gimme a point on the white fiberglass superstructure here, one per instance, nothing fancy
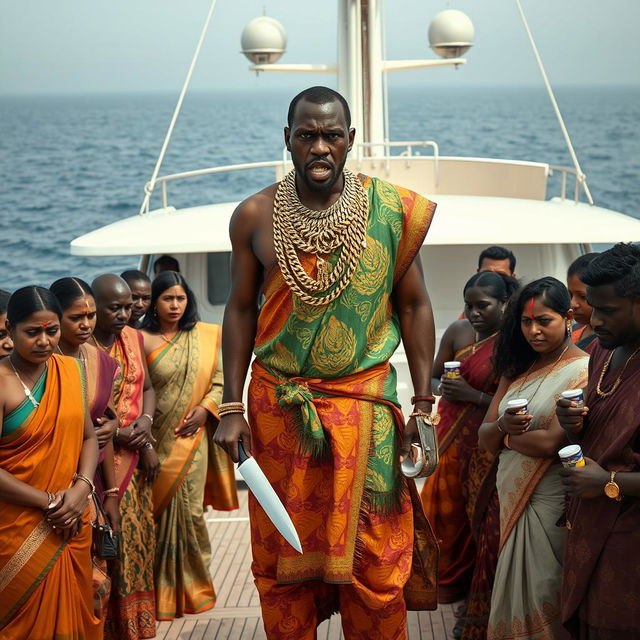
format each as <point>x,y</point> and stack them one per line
<point>481,201</point>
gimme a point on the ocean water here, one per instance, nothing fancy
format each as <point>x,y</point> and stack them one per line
<point>71,164</point>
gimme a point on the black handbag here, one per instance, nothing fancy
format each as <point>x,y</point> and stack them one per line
<point>105,541</point>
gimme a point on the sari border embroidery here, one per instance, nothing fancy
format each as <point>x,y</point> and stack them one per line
<point>19,559</point>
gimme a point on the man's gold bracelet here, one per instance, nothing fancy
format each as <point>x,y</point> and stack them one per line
<point>227,408</point>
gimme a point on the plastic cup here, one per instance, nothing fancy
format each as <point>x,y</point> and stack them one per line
<point>574,395</point>
<point>571,456</point>
<point>520,404</point>
<point>452,369</point>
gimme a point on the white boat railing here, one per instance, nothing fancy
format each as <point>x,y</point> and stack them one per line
<point>579,183</point>
<point>408,152</point>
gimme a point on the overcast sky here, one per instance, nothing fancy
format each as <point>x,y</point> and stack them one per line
<point>88,46</point>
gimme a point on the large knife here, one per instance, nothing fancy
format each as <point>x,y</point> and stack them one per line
<point>266,496</point>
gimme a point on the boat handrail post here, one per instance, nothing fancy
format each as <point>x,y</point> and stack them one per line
<point>164,194</point>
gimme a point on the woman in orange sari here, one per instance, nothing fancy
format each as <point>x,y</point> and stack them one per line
<point>182,356</point>
<point>450,494</point>
<point>78,322</point>
<point>48,455</point>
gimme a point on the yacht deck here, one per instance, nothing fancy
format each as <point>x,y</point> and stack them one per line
<point>236,615</point>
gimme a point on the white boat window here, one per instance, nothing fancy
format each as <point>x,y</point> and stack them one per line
<point>218,277</point>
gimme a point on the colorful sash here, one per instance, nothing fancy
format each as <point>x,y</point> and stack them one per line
<point>34,562</point>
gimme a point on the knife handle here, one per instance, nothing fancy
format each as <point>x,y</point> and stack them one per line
<point>242,454</point>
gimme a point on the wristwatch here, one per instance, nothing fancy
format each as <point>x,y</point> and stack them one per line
<point>612,489</point>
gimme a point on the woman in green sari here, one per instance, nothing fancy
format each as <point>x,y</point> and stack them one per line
<point>182,356</point>
<point>537,361</point>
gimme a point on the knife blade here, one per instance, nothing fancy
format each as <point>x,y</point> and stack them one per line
<point>267,497</point>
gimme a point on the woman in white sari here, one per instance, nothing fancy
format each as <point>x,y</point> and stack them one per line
<point>537,361</point>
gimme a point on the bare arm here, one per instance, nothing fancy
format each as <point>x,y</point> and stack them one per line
<point>489,435</point>
<point>446,352</point>
<point>142,426</point>
<point>418,335</point>
<point>239,326</point>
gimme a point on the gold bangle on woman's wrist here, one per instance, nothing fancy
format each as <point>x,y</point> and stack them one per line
<point>80,476</point>
<point>227,408</point>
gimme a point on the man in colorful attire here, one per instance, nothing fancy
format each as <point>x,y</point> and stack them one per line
<point>601,583</point>
<point>326,427</point>
<point>131,614</point>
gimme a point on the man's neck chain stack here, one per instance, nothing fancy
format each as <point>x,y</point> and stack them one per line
<point>296,228</point>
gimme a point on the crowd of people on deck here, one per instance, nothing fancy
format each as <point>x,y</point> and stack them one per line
<point>121,377</point>
<point>109,395</point>
<point>525,543</point>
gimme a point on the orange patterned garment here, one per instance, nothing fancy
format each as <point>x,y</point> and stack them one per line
<point>449,495</point>
<point>325,424</point>
<point>45,584</point>
<point>131,611</point>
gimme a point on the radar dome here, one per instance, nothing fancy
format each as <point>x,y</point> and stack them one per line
<point>451,33</point>
<point>263,40</point>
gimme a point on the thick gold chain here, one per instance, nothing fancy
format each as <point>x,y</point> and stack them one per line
<point>342,227</point>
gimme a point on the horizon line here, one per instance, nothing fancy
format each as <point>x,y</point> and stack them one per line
<point>272,89</point>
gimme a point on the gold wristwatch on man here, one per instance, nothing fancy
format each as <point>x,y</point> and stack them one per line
<point>612,488</point>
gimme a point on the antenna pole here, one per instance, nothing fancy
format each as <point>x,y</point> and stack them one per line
<point>582,179</point>
<point>152,183</point>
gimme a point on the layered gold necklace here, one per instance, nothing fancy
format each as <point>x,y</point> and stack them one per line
<point>341,227</point>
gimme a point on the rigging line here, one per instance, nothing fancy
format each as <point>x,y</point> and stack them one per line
<point>149,187</point>
<point>574,158</point>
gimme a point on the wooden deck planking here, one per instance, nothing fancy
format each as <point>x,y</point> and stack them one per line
<point>237,615</point>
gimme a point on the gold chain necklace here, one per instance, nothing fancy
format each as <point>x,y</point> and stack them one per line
<point>27,391</point>
<point>296,228</point>
<point>101,346</point>
<point>543,378</point>
<point>478,343</point>
<point>171,341</point>
<point>81,354</point>
<point>616,384</point>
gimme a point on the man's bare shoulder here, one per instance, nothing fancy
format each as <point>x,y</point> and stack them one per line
<point>255,209</point>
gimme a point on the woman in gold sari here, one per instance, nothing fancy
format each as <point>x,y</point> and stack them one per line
<point>537,361</point>
<point>182,356</point>
<point>48,455</point>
